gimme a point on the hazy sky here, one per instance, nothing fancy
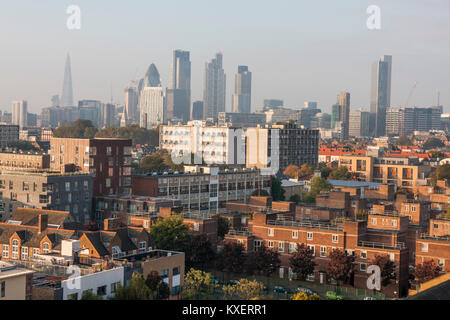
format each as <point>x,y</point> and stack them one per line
<point>297,50</point>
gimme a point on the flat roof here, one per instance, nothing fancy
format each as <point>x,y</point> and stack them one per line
<point>353,184</point>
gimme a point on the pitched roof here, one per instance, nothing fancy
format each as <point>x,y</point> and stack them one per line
<point>96,241</point>
<point>439,292</point>
<point>30,217</point>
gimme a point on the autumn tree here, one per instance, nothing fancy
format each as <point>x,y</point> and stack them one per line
<point>244,289</point>
<point>340,173</point>
<point>198,285</point>
<point>432,143</point>
<point>305,170</point>
<point>292,171</point>
<point>387,268</point>
<point>199,252</point>
<point>426,271</point>
<point>340,266</point>
<point>263,261</point>
<point>170,234</point>
<point>441,173</point>
<point>302,262</point>
<point>304,296</point>
<point>232,257</point>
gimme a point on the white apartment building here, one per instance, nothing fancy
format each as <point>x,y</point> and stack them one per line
<point>214,144</point>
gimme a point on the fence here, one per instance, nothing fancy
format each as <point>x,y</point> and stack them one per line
<point>347,292</point>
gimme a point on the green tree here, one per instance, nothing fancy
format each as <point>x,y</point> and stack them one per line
<point>302,262</point>
<point>277,191</point>
<point>264,261</point>
<point>260,193</point>
<point>79,129</point>
<point>223,226</point>
<point>137,290</point>
<point>340,266</point>
<point>198,285</point>
<point>171,234</point>
<point>403,141</point>
<point>295,198</point>
<point>244,289</point>
<point>200,253</point>
<point>318,184</point>
<point>158,288</point>
<point>232,257</point>
<point>137,134</point>
<point>433,143</point>
<point>447,215</point>
<point>159,161</point>
<point>304,296</point>
<point>340,173</point>
<point>22,145</point>
<point>89,295</point>
<point>387,268</point>
<point>441,173</point>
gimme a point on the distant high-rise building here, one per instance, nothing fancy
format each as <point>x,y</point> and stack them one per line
<point>67,94</point>
<point>310,105</point>
<point>197,110</point>
<point>55,100</point>
<point>109,111</point>
<point>401,121</point>
<point>344,102</point>
<point>180,81</point>
<point>242,91</point>
<point>131,103</point>
<point>321,120</point>
<point>152,77</point>
<point>214,88</point>
<point>381,93</point>
<point>20,113</point>
<point>176,105</point>
<point>359,124</point>
<point>272,104</point>
<point>91,110</point>
<point>31,119</point>
<point>152,105</point>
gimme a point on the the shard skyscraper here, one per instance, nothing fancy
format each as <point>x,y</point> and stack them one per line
<point>67,94</point>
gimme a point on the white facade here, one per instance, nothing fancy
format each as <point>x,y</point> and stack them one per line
<point>19,113</point>
<point>105,280</point>
<point>152,105</point>
<point>216,145</point>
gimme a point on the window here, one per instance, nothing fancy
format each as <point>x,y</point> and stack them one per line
<point>394,223</point>
<point>115,252</point>
<point>374,221</point>
<point>311,277</point>
<point>313,249</point>
<point>45,247</point>
<point>175,271</point>
<point>363,254</point>
<point>257,244</point>
<point>391,256</point>
<point>24,253</point>
<point>196,226</point>
<point>280,246</point>
<point>424,247</point>
<point>35,252</point>
<point>67,186</point>
<point>295,234</point>
<point>335,238</point>
<point>164,273</point>
<point>323,251</point>
<point>3,289</point>
<point>175,290</point>
<point>309,235</point>
<point>142,246</point>
<point>441,262</point>
<point>15,249</point>
<point>292,247</point>
<point>363,267</point>
<point>270,244</point>
<point>101,291</point>
<point>270,232</point>
<point>406,208</point>
<point>413,208</point>
<point>5,253</point>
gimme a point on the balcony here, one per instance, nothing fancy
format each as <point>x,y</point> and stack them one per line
<point>380,245</point>
<point>302,224</point>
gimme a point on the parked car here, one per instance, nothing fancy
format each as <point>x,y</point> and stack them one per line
<point>232,282</point>
<point>280,289</point>
<point>216,281</point>
<point>369,298</point>
<point>305,290</point>
<point>331,295</point>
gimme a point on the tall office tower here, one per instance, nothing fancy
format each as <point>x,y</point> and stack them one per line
<point>242,91</point>
<point>359,124</point>
<point>176,105</point>
<point>344,102</point>
<point>381,93</point>
<point>310,105</point>
<point>335,115</point>
<point>152,105</point>
<point>272,104</point>
<point>152,77</point>
<point>401,121</point>
<point>214,88</point>
<point>55,100</point>
<point>131,102</point>
<point>67,94</point>
<point>20,113</point>
<point>91,110</point>
<point>109,111</point>
<point>197,110</point>
<point>181,81</point>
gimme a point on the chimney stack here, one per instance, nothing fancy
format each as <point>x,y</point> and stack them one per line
<point>43,222</point>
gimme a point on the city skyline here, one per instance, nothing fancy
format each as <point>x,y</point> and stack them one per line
<point>302,68</point>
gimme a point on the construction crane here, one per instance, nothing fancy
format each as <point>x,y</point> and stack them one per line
<point>411,93</point>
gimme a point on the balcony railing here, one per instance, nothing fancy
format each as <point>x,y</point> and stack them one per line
<point>302,224</point>
<point>379,245</point>
<point>438,238</point>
